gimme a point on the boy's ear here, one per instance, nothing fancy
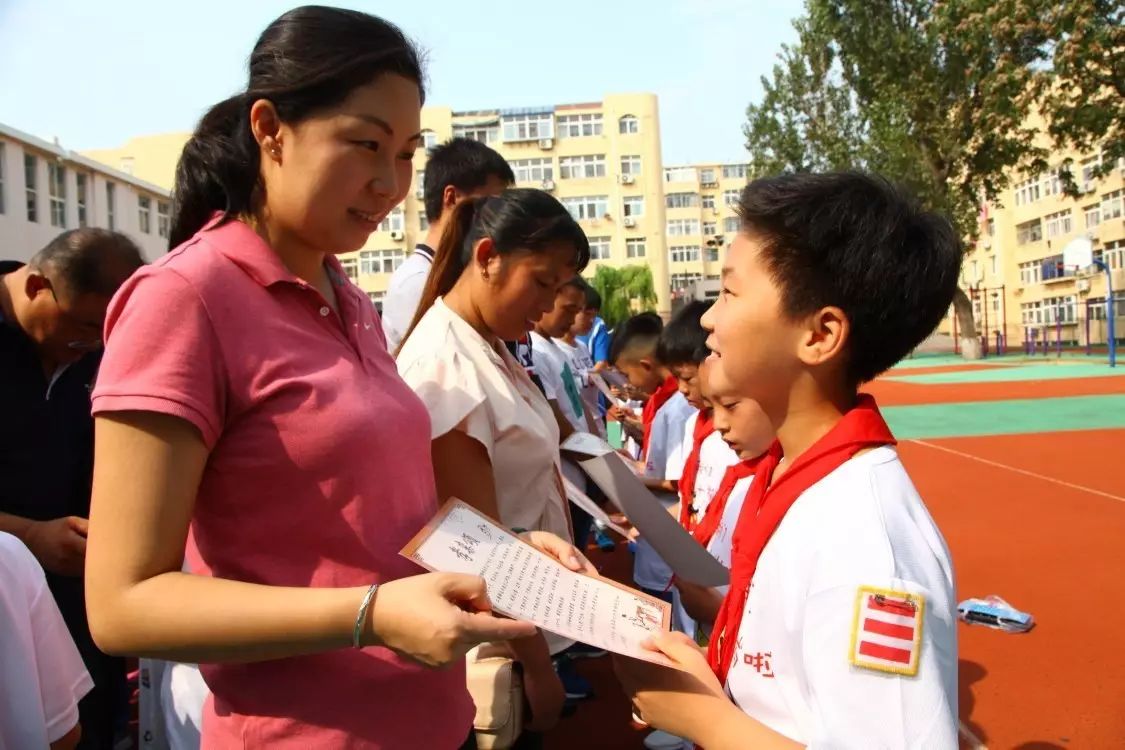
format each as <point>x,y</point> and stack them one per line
<point>648,363</point>
<point>825,336</point>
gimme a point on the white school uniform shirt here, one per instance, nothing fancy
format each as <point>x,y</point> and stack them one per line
<point>553,368</point>
<point>42,677</point>
<point>582,364</point>
<point>664,461</point>
<point>864,525</point>
<point>404,292</point>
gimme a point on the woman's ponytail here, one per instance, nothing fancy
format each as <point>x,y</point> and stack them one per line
<point>217,171</point>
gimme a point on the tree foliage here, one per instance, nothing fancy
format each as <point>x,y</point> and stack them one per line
<point>625,291</point>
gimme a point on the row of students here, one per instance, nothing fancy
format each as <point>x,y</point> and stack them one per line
<point>838,628</point>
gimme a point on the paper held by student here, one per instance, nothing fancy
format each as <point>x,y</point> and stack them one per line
<point>579,498</point>
<point>584,445</point>
<point>528,585</point>
<point>599,383</point>
<point>687,558</point>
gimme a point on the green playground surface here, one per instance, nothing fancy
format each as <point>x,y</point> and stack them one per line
<point>1001,370</point>
<point>1018,416</point>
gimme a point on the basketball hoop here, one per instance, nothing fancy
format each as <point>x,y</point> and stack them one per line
<point>1079,255</point>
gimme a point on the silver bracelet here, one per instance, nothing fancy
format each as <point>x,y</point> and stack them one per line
<point>362,616</point>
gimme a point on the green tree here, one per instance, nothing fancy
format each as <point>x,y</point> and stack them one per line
<point>625,291</point>
<point>937,94</point>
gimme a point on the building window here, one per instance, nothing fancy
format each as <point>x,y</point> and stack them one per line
<point>377,300</point>
<point>683,253</point>
<point>81,188</point>
<point>56,192</point>
<point>528,127</point>
<point>579,167</point>
<point>587,208</point>
<point>683,227</point>
<point>710,229</point>
<point>708,203</point>
<point>395,221</point>
<point>533,171</point>
<point>599,248</point>
<point>163,219</point>
<point>1029,231</point>
<point>992,264</point>
<point>732,225</point>
<point>420,184</point>
<point>681,200</point>
<point>1058,223</point>
<point>730,197</point>
<point>111,206</point>
<point>144,214</point>
<point>1112,205</point>
<point>631,165</point>
<point>707,176</point>
<point>1089,164</point>
<point>580,126</point>
<point>429,139</point>
<point>1030,272</point>
<point>681,174</point>
<point>351,267</point>
<point>1052,184</point>
<point>681,281</point>
<point>423,222</point>
<point>3,209</point>
<point>478,133</point>
<point>734,171</point>
<point>31,181</point>
<point>1114,255</point>
<point>991,227</point>
<point>711,253</point>
<point>380,261</point>
<point>1093,215</point>
<point>628,125</point>
<point>633,206</point>
<point>634,247</point>
<point>1027,191</point>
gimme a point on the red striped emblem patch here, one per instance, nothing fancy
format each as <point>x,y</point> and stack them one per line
<point>887,631</point>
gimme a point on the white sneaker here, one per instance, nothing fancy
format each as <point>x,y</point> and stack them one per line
<point>661,740</point>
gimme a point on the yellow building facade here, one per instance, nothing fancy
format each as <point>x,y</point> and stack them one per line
<point>1015,275</point>
<point>601,159</point>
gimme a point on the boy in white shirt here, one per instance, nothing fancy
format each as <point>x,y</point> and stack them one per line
<point>42,677</point>
<point>847,637</point>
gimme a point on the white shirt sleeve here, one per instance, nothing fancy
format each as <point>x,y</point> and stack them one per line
<point>400,306</point>
<point>678,453</point>
<point>547,368</point>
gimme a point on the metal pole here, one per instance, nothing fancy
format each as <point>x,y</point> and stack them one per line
<point>984,303</point>
<point>1004,316</point>
<point>1109,312</point>
<point>1088,347</point>
<point>1058,334</point>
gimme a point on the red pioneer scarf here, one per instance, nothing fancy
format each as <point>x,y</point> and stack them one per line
<point>666,391</point>
<point>705,530</point>
<point>766,504</point>
<point>704,426</point>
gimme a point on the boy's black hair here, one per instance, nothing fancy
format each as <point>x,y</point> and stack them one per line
<point>637,337</point>
<point>684,340</point>
<point>577,282</point>
<point>857,242</point>
<point>593,299</point>
<point>466,165</point>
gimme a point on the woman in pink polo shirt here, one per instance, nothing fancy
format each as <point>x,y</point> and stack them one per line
<point>247,407</point>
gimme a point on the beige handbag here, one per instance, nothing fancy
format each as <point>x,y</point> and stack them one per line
<point>495,682</point>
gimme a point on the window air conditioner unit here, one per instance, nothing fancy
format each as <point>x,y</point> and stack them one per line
<point>548,185</point>
<point>628,179</point>
<point>629,221</point>
<point>397,236</point>
<point>420,193</point>
<point>546,143</point>
<point>1083,285</point>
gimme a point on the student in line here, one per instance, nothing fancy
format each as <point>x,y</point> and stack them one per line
<point>247,396</point>
<point>596,338</point>
<point>457,169</point>
<point>847,636</point>
<point>498,268</point>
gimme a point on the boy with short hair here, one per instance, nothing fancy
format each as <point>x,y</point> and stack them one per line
<point>847,636</point>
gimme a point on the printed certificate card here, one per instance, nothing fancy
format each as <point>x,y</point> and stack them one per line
<point>526,584</point>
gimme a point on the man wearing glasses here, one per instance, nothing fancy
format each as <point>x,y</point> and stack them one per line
<point>51,316</point>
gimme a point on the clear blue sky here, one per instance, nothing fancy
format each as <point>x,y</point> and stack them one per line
<point>95,72</point>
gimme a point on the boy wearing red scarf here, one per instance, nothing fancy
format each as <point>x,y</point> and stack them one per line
<point>839,627</point>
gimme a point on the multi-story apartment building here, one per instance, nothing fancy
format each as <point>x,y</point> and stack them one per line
<point>1015,274</point>
<point>46,189</point>
<point>602,160</point>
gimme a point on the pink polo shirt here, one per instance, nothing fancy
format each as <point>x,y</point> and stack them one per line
<point>319,473</point>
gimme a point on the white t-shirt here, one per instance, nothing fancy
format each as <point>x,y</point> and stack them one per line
<point>553,368</point>
<point>404,292</point>
<point>582,364</point>
<point>664,461</point>
<point>42,677</point>
<point>794,669</point>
